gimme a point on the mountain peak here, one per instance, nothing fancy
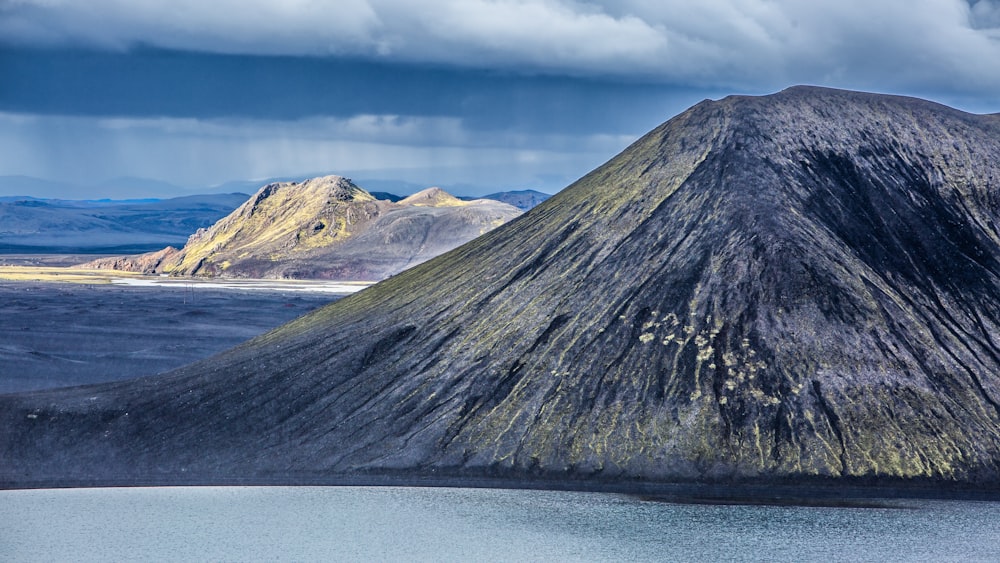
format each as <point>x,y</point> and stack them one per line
<point>332,188</point>
<point>326,228</point>
<point>433,197</point>
<point>773,290</point>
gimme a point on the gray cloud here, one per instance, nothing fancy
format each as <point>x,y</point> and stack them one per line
<point>985,14</point>
<point>204,152</point>
<point>494,93</point>
<point>731,43</point>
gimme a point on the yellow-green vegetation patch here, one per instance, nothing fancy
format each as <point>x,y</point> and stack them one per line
<point>56,274</point>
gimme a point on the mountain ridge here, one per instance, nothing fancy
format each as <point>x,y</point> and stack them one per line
<point>771,290</point>
<point>327,228</point>
<point>521,199</point>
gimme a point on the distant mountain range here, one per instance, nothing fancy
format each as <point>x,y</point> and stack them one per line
<point>30,224</point>
<point>324,228</point>
<point>521,199</point>
<point>39,219</point>
<point>390,190</point>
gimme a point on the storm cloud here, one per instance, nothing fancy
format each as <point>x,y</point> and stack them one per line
<point>201,153</point>
<point>491,94</point>
<point>713,43</point>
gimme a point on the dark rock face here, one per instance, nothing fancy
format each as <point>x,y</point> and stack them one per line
<point>765,289</point>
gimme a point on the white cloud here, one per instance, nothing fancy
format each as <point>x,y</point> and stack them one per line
<point>543,34</point>
<point>729,43</point>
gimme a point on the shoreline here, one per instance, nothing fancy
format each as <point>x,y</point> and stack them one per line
<point>816,494</point>
<point>321,286</point>
<point>61,274</point>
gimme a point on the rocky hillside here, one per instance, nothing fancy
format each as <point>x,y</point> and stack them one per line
<point>324,228</point>
<point>781,290</point>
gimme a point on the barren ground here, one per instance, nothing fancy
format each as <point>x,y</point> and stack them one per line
<point>60,334</point>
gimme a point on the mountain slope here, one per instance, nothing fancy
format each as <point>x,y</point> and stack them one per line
<point>521,199</point>
<point>432,197</point>
<point>324,228</point>
<point>768,290</point>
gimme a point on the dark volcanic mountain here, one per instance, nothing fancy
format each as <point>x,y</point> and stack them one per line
<point>770,289</point>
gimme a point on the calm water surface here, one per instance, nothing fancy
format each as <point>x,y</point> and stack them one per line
<point>438,524</point>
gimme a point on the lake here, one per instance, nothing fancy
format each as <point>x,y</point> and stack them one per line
<point>446,524</point>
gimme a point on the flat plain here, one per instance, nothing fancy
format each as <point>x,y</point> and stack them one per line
<point>55,334</point>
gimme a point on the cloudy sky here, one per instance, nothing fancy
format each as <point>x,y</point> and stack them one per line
<point>481,95</point>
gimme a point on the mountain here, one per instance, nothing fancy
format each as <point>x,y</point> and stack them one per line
<point>433,197</point>
<point>324,228</point>
<point>521,199</point>
<point>375,185</point>
<point>386,196</point>
<point>44,225</point>
<point>791,290</point>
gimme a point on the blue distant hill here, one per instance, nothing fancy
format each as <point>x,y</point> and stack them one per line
<point>37,225</point>
<point>522,199</point>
